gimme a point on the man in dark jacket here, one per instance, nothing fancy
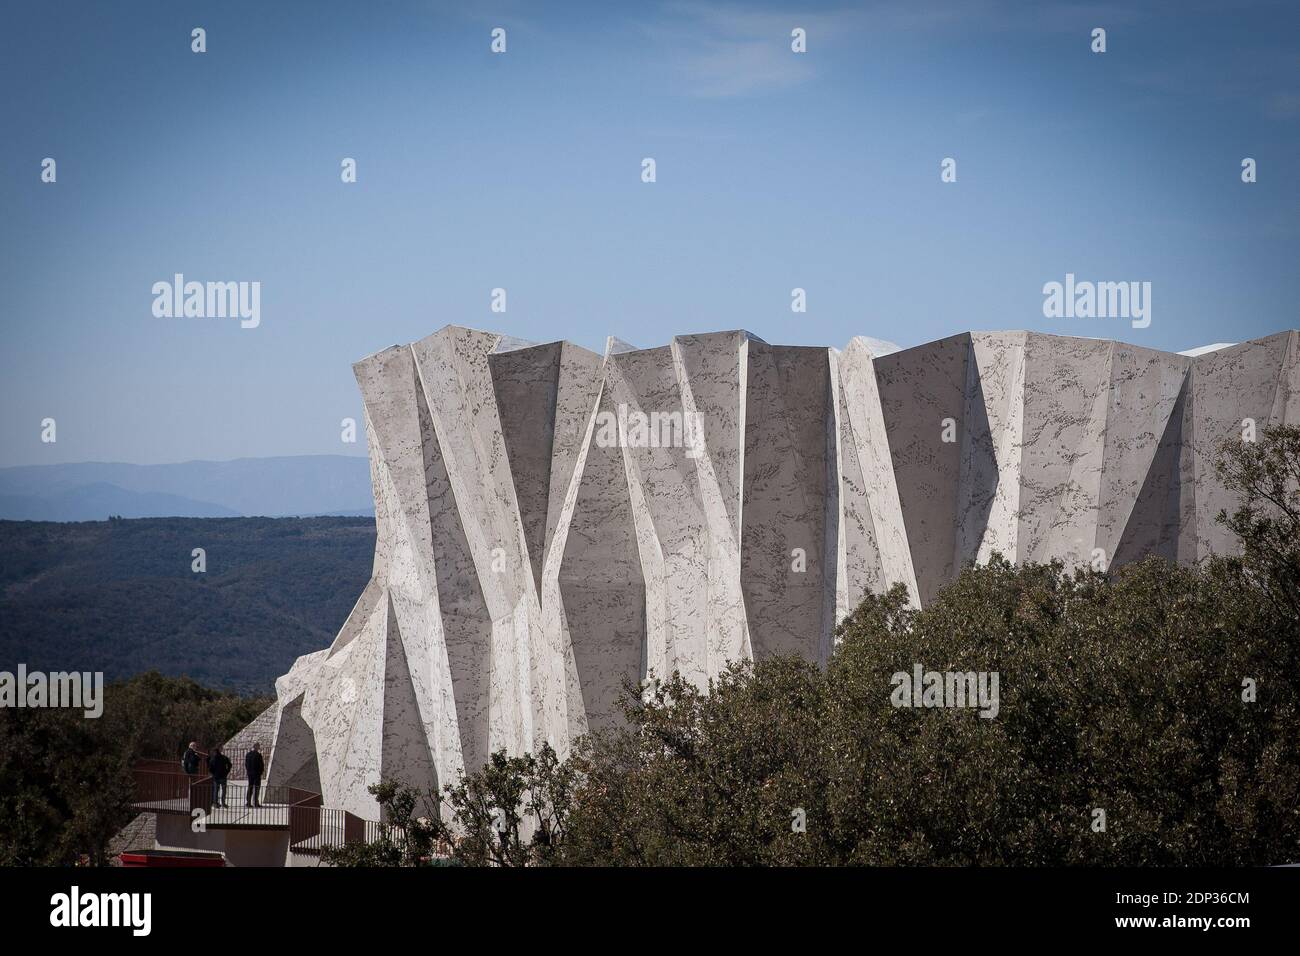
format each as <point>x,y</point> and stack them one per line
<point>190,762</point>
<point>253,767</point>
<point>219,768</point>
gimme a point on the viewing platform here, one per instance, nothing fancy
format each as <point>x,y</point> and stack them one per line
<point>289,827</point>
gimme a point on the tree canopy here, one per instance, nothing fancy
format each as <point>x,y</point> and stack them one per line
<point>1146,716</point>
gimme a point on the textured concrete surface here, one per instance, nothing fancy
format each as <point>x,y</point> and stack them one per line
<point>553,523</point>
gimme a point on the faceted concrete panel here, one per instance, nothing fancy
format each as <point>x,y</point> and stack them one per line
<point>1162,518</point>
<point>404,753</point>
<point>714,369</point>
<point>294,755</point>
<point>992,442</point>
<point>465,619</point>
<point>788,562</point>
<point>526,382</point>
<point>920,390</point>
<point>711,375</point>
<point>1065,402</point>
<point>389,386</point>
<point>1141,497</point>
<point>603,589</point>
<point>669,523</point>
<point>873,537</point>
<point>1231,389</point>
<point>577,388</point>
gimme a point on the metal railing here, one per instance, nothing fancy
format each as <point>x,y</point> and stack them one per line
<point>162,783</point>
<point>306,819</point>
<point>162,787</point>
<point>268,806</point>
<point>313,828</point>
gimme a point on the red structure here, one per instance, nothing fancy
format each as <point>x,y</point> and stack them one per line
<point>171,858</point>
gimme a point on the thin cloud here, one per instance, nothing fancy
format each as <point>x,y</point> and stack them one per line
<point>724,50</point>
<point>1283,105</point>
<point>727,50</point>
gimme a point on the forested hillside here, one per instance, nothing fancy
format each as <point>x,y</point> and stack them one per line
<point>121,597</point>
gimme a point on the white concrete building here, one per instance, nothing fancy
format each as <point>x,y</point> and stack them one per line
<point>538,543</point>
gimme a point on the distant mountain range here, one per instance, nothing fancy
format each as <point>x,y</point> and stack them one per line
<point>246,487</point>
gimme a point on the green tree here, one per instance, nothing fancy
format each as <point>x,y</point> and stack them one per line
<point>1266,475</point>
<point>511,812</point>
<point>407,838</point>
<point>1166,697</point>
<point>65,779</point>
<point>717,778</point>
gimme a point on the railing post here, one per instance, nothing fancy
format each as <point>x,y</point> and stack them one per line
<point>304,816</point>
<point>200,795</point>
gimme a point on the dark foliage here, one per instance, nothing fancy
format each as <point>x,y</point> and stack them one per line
<point>65,781</point>
<point>512,812</point>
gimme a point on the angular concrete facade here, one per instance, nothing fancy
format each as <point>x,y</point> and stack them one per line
<point>553,523</point>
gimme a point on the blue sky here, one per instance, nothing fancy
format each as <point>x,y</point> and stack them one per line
<point>522,171</point>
